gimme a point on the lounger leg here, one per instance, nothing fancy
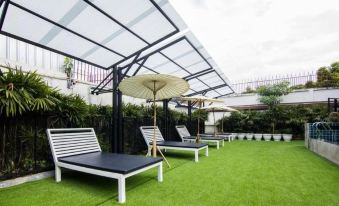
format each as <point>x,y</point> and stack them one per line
<point>196,154</point>
<point>223,143</point>
<point>57,174</point>
<point>160,177</point>
<point>206,152</point>
<point>217,144</point>
<point>121,190</point>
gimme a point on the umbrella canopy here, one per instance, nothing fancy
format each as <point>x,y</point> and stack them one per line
<point>200,99</point>
<point>162,85</point>
<point>218,108</point>
<point>154,86</point>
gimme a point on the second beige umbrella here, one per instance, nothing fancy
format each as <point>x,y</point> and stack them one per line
<point>154,87</point>
<point>200,99</point>
<point>218,108</point>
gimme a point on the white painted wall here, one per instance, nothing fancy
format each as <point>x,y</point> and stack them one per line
<point>297,97</point>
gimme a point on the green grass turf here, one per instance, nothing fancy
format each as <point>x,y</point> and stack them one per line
<point>241,173</point>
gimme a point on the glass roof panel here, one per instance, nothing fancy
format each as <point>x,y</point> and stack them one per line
<point>16,23</point>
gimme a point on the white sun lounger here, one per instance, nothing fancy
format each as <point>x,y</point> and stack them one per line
<point>78,149</point>
<point>147,133</point>
<point>186,136</point>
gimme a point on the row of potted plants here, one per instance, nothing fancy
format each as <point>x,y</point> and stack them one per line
<point>266,137</point>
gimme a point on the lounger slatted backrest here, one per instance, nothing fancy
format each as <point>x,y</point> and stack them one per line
<point>68,142</point>
<point>182,130</point>
<point>148,131</point>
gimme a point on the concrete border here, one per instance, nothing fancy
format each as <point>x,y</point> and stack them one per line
<point>28,178</point>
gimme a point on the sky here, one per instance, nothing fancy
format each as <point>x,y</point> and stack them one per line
<point>260,38</point>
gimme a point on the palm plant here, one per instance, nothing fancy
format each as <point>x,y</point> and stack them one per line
<point>24,92</point>
<point>21,92</point>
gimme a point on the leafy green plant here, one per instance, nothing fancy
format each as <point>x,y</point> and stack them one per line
<point>334,117</point>
<point>271,95</point>
<point>24,92</point>
<point>68,66</point>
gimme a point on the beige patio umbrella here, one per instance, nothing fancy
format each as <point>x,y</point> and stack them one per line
<point>218,108</point>
<point>200,99</point>
<point>154,87</point>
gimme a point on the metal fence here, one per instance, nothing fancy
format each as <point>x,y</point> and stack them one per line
<point>325,131</point>
<point>293,79</point>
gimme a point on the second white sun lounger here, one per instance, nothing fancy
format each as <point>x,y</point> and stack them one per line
<point>186,136</point>
<point>147,133</point>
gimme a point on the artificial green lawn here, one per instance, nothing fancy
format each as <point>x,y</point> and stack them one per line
<point>241,173</point>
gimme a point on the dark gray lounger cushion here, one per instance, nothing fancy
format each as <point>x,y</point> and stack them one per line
<point>111,162</point>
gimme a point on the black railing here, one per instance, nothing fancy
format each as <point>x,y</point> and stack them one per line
<point>293,79</point>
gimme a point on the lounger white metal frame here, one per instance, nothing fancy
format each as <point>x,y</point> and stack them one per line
<point>82,141</point>
<point>183,132</point>
<point>147,133</point>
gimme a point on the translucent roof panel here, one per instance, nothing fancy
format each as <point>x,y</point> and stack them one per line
<point>123,33</point>
<point>185,59</point>
<point>120,27</point>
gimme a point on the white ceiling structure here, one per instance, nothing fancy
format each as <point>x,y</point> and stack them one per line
<point>130,35</point>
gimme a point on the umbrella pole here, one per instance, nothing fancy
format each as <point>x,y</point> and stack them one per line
<point>215,133</point>
<point>198,134</point>
<point>222,123</point>
<point>154,149</point>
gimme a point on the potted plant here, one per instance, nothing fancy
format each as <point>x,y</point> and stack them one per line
<point>258,137</point>
<point>241,136</point>
<point>277,137</point>
<point>287,135</point>
<point>267,137</point>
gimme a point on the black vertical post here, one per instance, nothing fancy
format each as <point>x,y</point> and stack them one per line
<point>114,136</point>
<point>189,108</point>
<point>165,123</point>
<point>35,140</point>
<point>120,118</point>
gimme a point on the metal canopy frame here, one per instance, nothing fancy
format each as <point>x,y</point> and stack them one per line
<point>124,58</point>
<point>121,68</point>
<point>140,61</point>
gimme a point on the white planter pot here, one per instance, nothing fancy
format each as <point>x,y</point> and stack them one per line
<point>258,137</point>
<point>287,137</point>
<point>249,136</point>
<point>241,136</point>
<point>277,137</point>
<point>267,137</point>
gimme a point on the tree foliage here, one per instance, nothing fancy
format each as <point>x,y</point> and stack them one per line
<point>270,95</point>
